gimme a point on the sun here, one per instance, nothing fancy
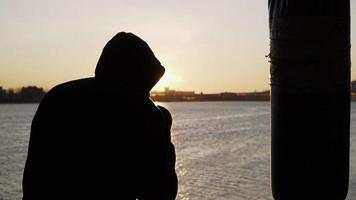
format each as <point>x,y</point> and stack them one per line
<point>168,80</point>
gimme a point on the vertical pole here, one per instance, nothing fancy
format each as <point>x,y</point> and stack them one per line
<point>310,98</point>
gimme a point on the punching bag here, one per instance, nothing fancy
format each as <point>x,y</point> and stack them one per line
<point>310,98</point>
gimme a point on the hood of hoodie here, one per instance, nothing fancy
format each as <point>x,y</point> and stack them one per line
<point>128,61</point>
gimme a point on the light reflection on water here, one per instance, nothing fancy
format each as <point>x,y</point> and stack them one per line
<point>223,149</point>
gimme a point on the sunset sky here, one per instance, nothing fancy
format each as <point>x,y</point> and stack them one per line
<point>209,46</point>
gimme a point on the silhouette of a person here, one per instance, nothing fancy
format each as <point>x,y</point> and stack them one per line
<point>103,137</point>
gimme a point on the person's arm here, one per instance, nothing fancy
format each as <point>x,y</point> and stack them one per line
<point>160,178</point>
<point>172,180</point>
<point>34,182</point>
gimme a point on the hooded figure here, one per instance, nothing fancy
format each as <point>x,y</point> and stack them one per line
<point>103,137</point>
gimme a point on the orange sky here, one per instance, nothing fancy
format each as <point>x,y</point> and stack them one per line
<point>209,46</point>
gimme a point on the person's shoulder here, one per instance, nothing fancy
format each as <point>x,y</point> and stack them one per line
<point>165,112</point>
<point>166,115</point>
<point>159,110</point>
<point>67,89</point>
<point>71,85</point>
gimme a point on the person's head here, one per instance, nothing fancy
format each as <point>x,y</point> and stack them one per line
<point>128,60</point>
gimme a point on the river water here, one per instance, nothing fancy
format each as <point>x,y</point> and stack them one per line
<point>223,149</point>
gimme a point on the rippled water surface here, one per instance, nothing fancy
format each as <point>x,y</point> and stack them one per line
<point>223,149</point>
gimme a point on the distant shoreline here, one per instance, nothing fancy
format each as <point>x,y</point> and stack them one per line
<point>161,101</point>
<point>33,94</point>
<point>14,103</point>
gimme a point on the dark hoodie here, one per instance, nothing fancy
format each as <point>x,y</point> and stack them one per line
<point>103,137</point>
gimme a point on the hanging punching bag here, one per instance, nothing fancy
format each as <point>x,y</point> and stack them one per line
<point>310,98</point>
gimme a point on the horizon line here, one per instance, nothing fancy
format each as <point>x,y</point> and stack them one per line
<point>18,88</point>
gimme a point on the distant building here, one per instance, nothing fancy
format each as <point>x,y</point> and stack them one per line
<point>11,96</point>
<point>31,94</point>
<point>173,95</point>
<point>2,95</point>
<point>167,91</point>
